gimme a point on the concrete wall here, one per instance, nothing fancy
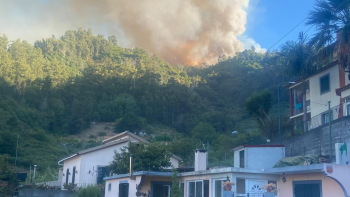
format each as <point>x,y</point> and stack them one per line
<point>330,188</point>
<point>174,162</point>
<point>317,98</point>
<point>27,192</point>
<point>316,141</point>
<point>262,157</point>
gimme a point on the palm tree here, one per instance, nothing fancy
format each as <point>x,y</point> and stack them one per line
<point>332,21</point>
<point>299,59</point>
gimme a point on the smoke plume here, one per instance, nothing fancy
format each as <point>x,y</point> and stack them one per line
<point>179,31</point>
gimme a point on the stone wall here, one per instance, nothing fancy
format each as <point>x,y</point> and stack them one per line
<point>316,141</point>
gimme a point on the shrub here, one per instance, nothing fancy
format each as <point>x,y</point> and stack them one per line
<point>92,136</point>
<point>90,191</point>
<point>102,133</point>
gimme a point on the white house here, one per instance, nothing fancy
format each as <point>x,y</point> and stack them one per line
<point>329,83</point>
<point>318,180</point>
<point>88,166</point>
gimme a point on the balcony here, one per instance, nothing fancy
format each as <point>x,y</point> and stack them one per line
<point>297,99</point>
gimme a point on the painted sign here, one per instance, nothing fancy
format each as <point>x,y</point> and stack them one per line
<point>329,169</point>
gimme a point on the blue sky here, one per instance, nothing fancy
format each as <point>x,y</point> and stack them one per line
<point>269,20</point>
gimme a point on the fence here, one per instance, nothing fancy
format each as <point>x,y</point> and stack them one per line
<point>59,185</point>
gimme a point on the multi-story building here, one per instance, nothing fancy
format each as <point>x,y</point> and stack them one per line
<point>329,83</point>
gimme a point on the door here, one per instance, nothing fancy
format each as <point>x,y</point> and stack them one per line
<point>307,190</point>
<point>161,189</point>
<point>254,187</point>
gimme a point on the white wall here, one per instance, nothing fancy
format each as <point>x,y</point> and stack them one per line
<point>315,96</point>
<point>115,186</point>
<point>262,157</point>
<point>69,164</point>
<point>174,162</point>
<point>92,160</point>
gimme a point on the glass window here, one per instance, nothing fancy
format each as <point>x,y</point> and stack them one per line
<point>348,108</point>
<point>325,117</point>
<point>218,188</point>
<point>182,187</point>
<point>109,187</point>
<point>198,188</point>
<point>324,84</point>
<point>241,159</point>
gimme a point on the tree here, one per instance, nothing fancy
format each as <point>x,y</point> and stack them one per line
<point>7,177</point>
<point>204,131</point>
<point>299,59</point>
<point>175,186</point>
<point>153,157</point>
<point>332,21</point>
<point>259,106</point>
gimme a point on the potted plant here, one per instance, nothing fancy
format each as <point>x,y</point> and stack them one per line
<point>271,188</point>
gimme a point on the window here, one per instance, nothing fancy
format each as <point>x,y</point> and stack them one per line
<point>101,172</point>
<point>218,188</point>
<point>198,188</point>
<point>73,177</point>
<point>123,190</point>
<point>324,84</point>
<point>109,187</point>
<point>241,159</point>
<point>347,108</point>
<point>67,175</point>
<point>307,188</point>
<point>182,188</point>
<point>325,117</point>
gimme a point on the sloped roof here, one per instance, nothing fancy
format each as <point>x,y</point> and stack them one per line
<point>125,133</point>
<point>112,141</point>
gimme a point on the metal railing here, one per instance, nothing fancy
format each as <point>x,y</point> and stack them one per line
<point>322,118</point>
<point>59,185</point>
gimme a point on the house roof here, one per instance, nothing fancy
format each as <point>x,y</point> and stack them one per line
<point>114,142</point>
<point>125,133</point>
<point>256,146</point>
<point>339,90</point>
<point>318,71</point>
<point>140,173</point>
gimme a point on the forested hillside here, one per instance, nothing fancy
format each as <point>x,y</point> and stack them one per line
<point>59,86</point>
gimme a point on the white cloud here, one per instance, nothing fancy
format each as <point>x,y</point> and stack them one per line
<point>249,42</point>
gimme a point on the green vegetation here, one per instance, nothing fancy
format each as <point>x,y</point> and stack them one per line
<point>54,90</point>
<point>153,157</point>
<point>90,191</point>
<point>175,185</point>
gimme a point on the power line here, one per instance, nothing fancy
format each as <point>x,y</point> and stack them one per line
<point>290,31</point>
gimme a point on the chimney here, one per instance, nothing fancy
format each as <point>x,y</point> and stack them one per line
<point>200,159</point>
<point>132,177</point>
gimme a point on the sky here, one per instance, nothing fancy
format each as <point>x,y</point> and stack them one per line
<point>179,31</point>
<point>269,20</point>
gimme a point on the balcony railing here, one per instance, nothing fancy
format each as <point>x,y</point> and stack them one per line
<point>323,118</point>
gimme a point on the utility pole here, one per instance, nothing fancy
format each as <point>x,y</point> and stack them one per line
<point>330,130</point>
<point>16,150</point>
<point>279,116</point>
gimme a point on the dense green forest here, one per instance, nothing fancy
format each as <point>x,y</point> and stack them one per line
<point>58,87</point>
